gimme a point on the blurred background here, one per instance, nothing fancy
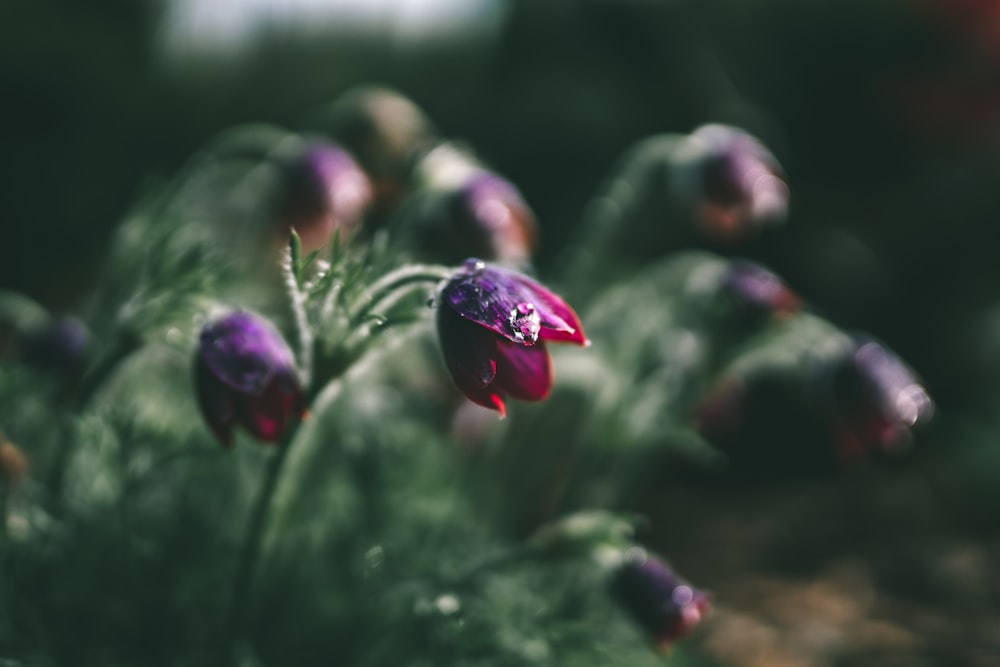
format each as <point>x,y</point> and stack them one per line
<point>885,115</point>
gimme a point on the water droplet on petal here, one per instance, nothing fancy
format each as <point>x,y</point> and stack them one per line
<point>474,264</point>
<point>525,322</point>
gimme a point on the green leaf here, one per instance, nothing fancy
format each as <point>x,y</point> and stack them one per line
<point>295,250</point>
<point>309,259</point>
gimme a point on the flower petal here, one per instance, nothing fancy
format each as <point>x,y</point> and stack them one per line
<point>267,415</point>
<point>490,297</point>
<point>470,352</point>
<point>510,304</point>
<point>488,399</point>
<point>524,372</point>
<point>244,351</point>
<point>559,322</point>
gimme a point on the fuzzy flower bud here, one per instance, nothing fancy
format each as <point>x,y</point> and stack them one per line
<point>757,292</point>
<point>245,374</point>
<point>324,189</point>
<point>493,324</point>
<point>484,216</point>
<point>878,400</point>
<point>666,606</point>
<point>385,130</point>
<point>736,183</point>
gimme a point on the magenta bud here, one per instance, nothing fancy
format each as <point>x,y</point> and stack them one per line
<point>736,182</point>
<point>245,374</point>
<point>324,190</point>
<point>493,324</point>
<point>757,291</point>
<point>663,604</point>
<point>488,218</point>
<point>878,399</point>
<point>385,130</point>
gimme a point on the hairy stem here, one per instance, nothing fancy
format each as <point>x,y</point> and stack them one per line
<point>388,284</point>
<point>246,567</point>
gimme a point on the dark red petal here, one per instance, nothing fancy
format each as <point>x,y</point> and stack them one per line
<point>267,416</point>
<point>215,401</point>
<point>470,351</point>
<point>488,399</point>
<point>524,372</point>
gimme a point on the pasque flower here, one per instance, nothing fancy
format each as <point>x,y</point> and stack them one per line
<point>665,605</point>
<point>482,215</point>
<point>839,401</point>
<point>756,292</point>
<point>245,374</point>
<point>493,324</point>
<point>878,400</point>
<point>488,215</point>
<point>735,180</point>
<point>324,190</point>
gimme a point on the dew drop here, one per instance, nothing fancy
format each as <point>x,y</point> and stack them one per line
<point>474,265</point>
<point>525,322</point>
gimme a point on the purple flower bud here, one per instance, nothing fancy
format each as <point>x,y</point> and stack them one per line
<point>493,324</point>
<point>324,190</point>
<point>835,402</point>
<point>58,346</point>
<point>736,181</point>
<point>489,218</point>
<point>385,130</point>
<point>878,400</point>
<point>665,605</point>
<point>245,373</point>
<point>758,291</point>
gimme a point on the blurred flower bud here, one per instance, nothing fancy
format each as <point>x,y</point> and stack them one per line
<point>492,325</point>
<point>756,292</point>
<point>812,399</point>
<point>13,466</point>
<point>666,606</point>
<point>878,400</point>
<point>323,189</point>
<point>485,216</point>
<point>245,374</point>
<point>734,182</point>
<point>57,346</point>
<point>384,130</point>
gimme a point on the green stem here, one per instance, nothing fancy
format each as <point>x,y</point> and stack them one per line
<point>302,327</point>
<point>246,567</point>
<point>253,537</point>
<point>388,284</point>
